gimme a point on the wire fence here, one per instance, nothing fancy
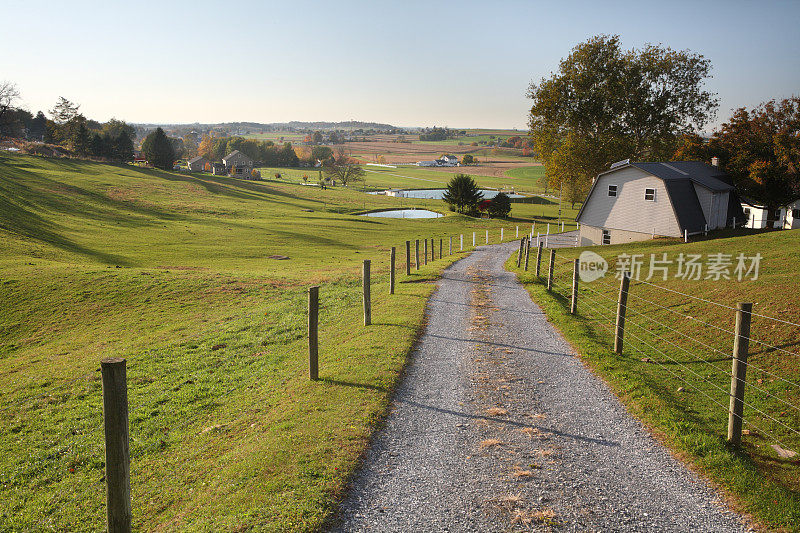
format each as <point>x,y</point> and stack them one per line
<point>54,427</point>
<point>692,340</point>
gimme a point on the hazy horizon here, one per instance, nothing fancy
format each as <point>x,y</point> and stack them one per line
<point>462,65</point>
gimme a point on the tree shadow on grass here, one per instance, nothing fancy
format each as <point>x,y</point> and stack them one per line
<point>352,384</point>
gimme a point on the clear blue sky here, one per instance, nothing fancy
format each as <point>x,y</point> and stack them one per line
<point>410,63</point>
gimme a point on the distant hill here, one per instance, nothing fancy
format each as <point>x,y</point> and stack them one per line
<point>243,128</point>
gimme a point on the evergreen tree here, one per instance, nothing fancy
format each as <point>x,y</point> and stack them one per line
<point>462,194</point>
<point>157,149</point>
<point>500,206</point>
<point>122,147</point>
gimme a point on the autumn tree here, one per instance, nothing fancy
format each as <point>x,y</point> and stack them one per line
<point>605,104</point>
<point>760,149</point>
<point>206,148</point>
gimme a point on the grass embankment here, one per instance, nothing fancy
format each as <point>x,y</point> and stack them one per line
<point>674,373</point>
<point>172,272</point>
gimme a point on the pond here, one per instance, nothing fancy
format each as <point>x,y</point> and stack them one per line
<point>405,213</point>
<point>437,194</point>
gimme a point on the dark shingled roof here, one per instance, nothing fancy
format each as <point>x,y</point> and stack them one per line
<point>196,159</point>
<point>708,176</point>
<point>686,205</point>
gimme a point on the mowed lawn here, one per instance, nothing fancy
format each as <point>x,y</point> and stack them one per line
<point>173,272</point>
<point>675,371</point>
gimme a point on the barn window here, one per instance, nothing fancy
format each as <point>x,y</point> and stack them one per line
<point>795,213</point>
<point>606,237</point>
<point>650,195</point>
<point>612,191</point>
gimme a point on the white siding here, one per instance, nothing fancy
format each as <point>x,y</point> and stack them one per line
<point>629,211</point>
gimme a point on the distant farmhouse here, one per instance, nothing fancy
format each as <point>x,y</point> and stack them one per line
<point>785,217</point>
<point>197,164</point>
<point>640,201</point>
<point>444,161</point>
<point>238,165</point>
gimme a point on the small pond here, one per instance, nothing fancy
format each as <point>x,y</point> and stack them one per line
<point>405,213</point>
<point>436,194</point>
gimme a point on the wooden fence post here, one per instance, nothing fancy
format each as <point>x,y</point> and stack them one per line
<point>450,246</point>
<point>367,301</point>
<point>416,253</point>
<point>473,239</point>
<point>573,308</point>
<point>538,258</point>
<point>501,235</point>
<point>118,467</point>
<point>517,234</point>
<point>391,271</point>
<point>425,254</point>
<point>433,250</point>
<point>741,345</point>
<point>487,236</point>
<point>527,251</point>
<point>551,268</point>
<point>313,329</point>
<point>461,243</point>
<point>622,306</point>
<point>408,258</point>
<point>441,242</point>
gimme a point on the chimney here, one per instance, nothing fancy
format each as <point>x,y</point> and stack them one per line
<point>715,161</point>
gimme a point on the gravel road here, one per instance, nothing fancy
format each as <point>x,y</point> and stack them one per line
<point>498,426</point>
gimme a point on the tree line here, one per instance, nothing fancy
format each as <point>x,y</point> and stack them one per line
<point>67,127</point>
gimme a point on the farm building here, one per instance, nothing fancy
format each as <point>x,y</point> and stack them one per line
<point>785,217</point>
<point>218,169</point>
<point>197,164</point>
<point>427,163</point>
<point>238,164</point>
<point>639,201</point>
<point>448,161</point>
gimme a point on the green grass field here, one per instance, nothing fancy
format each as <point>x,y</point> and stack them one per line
<point>674,373</point>
<point>172,272</point>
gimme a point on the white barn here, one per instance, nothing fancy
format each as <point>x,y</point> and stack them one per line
<point>785,217</point>
<point>639,201</point>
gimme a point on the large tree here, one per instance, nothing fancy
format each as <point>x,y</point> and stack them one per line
<point>9,94</point>
<point>462,194</point>
<point>605,104</point>
<point>760,149</point>
<point>158,150</point>
<point>343,168</point>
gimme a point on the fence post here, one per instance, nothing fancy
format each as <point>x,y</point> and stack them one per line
<point>622,305</point>
<point>487,236</point>
<point>118,467</point>
<point>425,254</point>
<point>461,243</point>
<point>391,271</point>
<point>473,239</point>
<point>367,301</point>
<point>551,268</point>
<point>538,258</point>
<point>686,235</point>
<point>573,308</point>
<point>527,251</point>
<point>501,235</point>
<point>433,250</point>
<point>517,234</point>
<point>416,253</point>
<point>440,247</point>
<point>519,252</point>
<point>408,258</point>
<point>313,328</point>
<point>450,246</point>
<point>741,344</point>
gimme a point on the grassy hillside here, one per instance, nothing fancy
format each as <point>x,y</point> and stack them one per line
<point>675,370</point>
<point>173,272</point>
